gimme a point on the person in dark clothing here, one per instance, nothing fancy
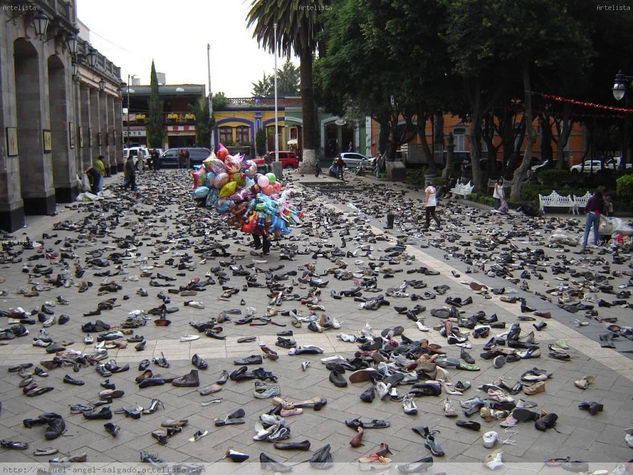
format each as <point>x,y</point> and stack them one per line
<point>155,160</point>
<point>593,209</point>
<point>129,171</point>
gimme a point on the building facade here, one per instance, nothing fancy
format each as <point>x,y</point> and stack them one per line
<point>60,103</point>
<point>177,100</point>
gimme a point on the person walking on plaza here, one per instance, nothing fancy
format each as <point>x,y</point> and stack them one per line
<point>129,171</point>
<point>497,194</point>
<point>430,202</point>
<point>186,159</point>
<point>593,209</point>
<point>155,160</point>
<point>181,158</point>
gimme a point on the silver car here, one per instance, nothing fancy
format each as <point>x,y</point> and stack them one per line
<point>355,160</point>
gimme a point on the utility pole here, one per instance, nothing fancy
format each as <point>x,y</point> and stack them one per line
<point>276,118</point>
<point>210,98</point>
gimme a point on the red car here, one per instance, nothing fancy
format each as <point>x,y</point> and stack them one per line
<point>287,158</point>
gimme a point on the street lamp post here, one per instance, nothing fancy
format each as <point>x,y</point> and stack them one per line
<point>129,79</point>
<point>210,99</point>
<point>620,92</point>
<point>276,116</point>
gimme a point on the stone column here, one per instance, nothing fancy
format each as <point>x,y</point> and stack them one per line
<point>103,129</point>
<point>112,150</point>
<point>118,133</point>
<point>83,139</point>
<point>95,123</point>
<point>31,90</point>
<point>57,99</point>
<point>11,205</point>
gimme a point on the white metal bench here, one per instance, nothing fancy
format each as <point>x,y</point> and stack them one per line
<point>462,189</point>
<point>580,202</point>
<point>554,200</point>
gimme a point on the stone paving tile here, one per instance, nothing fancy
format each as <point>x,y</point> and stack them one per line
<point>603,433</point>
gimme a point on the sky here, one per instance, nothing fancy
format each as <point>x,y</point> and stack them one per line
<point>175,33</point>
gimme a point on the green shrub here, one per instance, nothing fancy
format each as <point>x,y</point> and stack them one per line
<point>624,188</point>
<point>554,177</point>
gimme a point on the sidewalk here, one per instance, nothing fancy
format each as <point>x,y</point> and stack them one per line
<point>167,228</point>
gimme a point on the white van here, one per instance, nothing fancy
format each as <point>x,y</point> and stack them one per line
<point>139,153</point>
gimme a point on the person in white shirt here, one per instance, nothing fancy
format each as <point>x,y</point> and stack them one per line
<point>430,202</point>
<point>498,194</point>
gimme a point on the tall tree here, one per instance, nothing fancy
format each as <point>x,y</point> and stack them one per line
<point>386,58</point>
<point>263,87</point>
<point>287,82</point>
<point>298,27</point>
<point>155,123</point>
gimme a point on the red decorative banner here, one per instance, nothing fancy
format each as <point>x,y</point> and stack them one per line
<point>585,104</point>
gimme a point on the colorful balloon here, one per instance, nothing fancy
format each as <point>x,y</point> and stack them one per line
<point>222,152</point>
<point>228,189</point>
<point>272,178</point>
<point>220,180</point>
<point>263,182</point>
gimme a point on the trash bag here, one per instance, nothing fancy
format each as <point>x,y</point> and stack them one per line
<point>530,209</point>
<point>563,237</point>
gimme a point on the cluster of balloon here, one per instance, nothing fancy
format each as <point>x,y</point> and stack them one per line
<point>250,201</point>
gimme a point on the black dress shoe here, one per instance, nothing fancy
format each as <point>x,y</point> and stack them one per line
<point>103,413</point>
<point>252,359</point>
<point>199,362</point>
<point>70,380</point>
<point>337,378</point>
<point>224,377</point>
<point>147,382</point>
<point>368,394</point>
<point>303,445</point>
<point>108,385</point>
<point>111,428</point>
<point>472,425</point>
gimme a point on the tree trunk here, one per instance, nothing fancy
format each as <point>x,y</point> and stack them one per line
<point>448,168</point>
<point>309,120</point>
<point>564,136</point>
<point>475,136</point>
<point>521,171</point>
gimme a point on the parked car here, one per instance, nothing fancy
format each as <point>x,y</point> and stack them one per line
<point>353,159</point>
<point>196,156</point>
<point>615,163</point>
<point>590,166</point>
<point>288,159</point>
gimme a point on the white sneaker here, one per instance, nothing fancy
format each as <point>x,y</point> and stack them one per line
<point>408,405</point>
<point>422,327</point>
<point>382,389</point>
<point>490,439</point>
<point>628,438</point>
<point>88,339</point>
<point>494,460</point>
<point>189,337</point>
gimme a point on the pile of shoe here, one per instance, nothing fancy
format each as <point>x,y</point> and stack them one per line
<point>54,422</point>
<point>272,428</point>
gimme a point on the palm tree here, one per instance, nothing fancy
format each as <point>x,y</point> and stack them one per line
<point>298,27</point>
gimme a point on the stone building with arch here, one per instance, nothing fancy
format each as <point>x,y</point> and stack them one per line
<point>60,107</point>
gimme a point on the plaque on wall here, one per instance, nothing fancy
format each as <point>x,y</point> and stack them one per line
<point>98,139</point>
<point>80,136</point>
<point>89,136</point>
<point>71,136</point>
<point>48,140</point>
<point>12,141</point>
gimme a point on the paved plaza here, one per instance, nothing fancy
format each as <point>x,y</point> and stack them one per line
<point>117,254</point>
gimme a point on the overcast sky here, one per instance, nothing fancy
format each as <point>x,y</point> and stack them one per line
<point>131,33</point>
